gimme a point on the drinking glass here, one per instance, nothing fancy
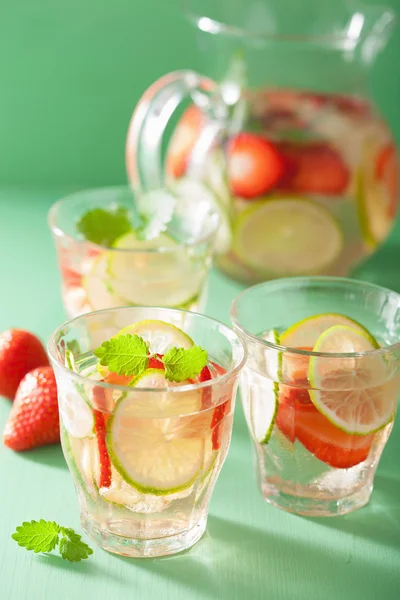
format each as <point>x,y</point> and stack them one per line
<point>144,461</point>
<point>306,461</point>
<point>171,269</point>
<point>280,126</point>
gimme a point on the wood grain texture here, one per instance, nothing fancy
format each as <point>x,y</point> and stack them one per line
<point>251,551</point>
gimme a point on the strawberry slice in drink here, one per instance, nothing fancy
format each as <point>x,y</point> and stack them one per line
<point>298,418</point>
<point>104,458</point>
<point>254,165</point>
<point>220,411</point>
<point>313,168</point>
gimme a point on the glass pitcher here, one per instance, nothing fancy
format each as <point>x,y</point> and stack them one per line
<point>281,134</point>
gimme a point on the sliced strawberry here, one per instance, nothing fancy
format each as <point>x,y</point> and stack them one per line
<point>254,165</point>
<point>34,419</point>
<point>101,399</point>
<point>206,395</point>
<point>70,277</point>
<point>183,141</point>
<point>300,420</point>
<point>20,352</point>
<point>116,379</point>
<point>216,423</point>
<point>313,168</point>
<point>386,171</point>
<point>104,458</point>
<point>155,362</point>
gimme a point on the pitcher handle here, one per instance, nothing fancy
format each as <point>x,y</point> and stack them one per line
<point>150,119</point>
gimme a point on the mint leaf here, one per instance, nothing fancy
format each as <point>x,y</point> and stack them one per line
<point>72,548</point>
<point>104,227</point>
<point>156,209</point>
<point>124,354</point>
<point>181,364</point>
<point>43,536</point>
<point>39,536</point>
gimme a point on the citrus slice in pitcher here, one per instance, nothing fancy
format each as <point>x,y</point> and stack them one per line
<point>354,393</point>
<point>263,395</point>
<point>287,236</point>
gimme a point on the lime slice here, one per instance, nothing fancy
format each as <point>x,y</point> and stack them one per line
<point>168,278</point>
<point>189,189</point>
<point>353,393</point>
<point>75,412</point>
<point>95,283</point>
<point>159,335</point>
<point>153,451</point>
<point>69,360</point>
<point>285,236</point>
<point>305,333</point>
<point>373,203</point>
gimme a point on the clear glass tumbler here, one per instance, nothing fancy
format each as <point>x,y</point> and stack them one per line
<point>310,460</point>
<point>144,461</point>
<point>170,269</point>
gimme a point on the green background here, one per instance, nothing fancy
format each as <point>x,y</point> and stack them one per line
<point>70,76</point>
<point>72,71</point>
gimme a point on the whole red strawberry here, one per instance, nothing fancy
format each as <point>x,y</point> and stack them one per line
<point>34,419</point>
<point>20,352</point>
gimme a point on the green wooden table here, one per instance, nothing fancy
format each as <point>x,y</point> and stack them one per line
<point>250,550</point>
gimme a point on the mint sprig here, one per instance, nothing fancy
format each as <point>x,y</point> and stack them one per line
<point>104,227</point>
<point>125,355</point>
<point>129,355</point>
<point>181,364</point>
<point>44,536</point>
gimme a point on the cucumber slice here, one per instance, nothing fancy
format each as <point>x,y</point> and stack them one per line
<point>75,412</point>
<point>262,393</point>
<point>80,456</point>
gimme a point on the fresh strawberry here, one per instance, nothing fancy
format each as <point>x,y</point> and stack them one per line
<point>386,171</point>
<point>34,419</point>
<point>20,352</point>
<point>254,165</point>
<point>104,458</point>
<point>313,168</point>
<point>183,141</point>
